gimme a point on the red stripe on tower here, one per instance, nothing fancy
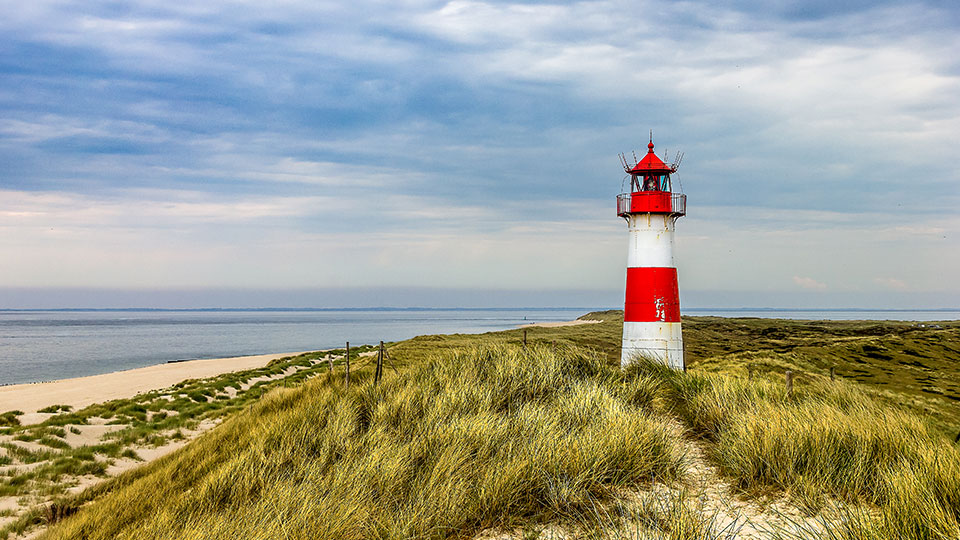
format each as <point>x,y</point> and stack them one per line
<point>652,295</point>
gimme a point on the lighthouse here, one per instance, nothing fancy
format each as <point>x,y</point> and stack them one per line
<point>651,310</point>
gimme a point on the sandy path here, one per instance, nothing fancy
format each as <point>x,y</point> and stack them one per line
<point>82,391</point>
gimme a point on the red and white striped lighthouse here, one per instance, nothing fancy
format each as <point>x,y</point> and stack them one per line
<point>651,311</point>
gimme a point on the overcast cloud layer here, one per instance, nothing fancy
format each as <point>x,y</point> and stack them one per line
<point>473,145</point>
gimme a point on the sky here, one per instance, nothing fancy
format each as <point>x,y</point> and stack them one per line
<point>325,154</point>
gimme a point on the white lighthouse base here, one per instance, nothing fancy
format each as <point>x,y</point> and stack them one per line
<point>659,341</point>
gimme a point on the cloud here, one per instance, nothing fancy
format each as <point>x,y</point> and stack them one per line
<point>809,283</point>
<point>481,133</point>
<point>891,283</point>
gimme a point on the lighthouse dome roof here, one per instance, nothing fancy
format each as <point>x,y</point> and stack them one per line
<point>651,163</point>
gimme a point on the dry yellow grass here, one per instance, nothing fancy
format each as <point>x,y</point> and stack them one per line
<point>486,437</point>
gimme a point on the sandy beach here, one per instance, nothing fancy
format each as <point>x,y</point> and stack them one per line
<point>82,391</point>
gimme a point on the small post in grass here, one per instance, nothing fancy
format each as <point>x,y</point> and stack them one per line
<point>833,372</point>
<point>789,383</point>
<point>379,373</point>
<point>524,337</point>
<point>330,362</point>
<point>749,373</point>
<point>346,376</point>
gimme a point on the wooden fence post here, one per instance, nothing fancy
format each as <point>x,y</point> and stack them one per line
<point>749,373</point>
<point>524,338</point>
<point>379,373</point>
<point>789,383</point>
<point>346,376</point>
<point>330,362</point>
<point>833,373</point>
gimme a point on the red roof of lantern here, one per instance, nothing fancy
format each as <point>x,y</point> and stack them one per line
<point>651,163</point>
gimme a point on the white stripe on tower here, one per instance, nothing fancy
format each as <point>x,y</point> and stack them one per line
<point>651,314</point>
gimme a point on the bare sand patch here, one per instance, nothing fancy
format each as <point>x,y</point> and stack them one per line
<point>31,418</point>
<point>83,391</point>
<point>89,434</point>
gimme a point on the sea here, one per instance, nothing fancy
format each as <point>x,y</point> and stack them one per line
<point>40,346</point>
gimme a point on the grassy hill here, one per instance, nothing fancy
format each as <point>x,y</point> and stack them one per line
<point>902,362</point>
<point>470,435</point>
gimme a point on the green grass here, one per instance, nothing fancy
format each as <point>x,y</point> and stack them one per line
<point>56,409</point>
<point>478,438</point>
<point>900,362</point>
<point>53,442</point>
<point>9,418</point>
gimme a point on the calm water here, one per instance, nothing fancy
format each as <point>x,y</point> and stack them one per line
<point>47,345</point>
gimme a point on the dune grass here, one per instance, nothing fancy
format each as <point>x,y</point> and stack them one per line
<point>470,432</point>
<point>829,439</point>
<point>490,437</point>
<point>903,363</point>
<point>9,418</point>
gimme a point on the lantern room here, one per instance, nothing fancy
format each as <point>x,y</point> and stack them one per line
<point>651,189</point>
<point>651,173</point>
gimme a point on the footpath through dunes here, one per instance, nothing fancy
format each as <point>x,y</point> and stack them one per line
<point>479,436</point>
